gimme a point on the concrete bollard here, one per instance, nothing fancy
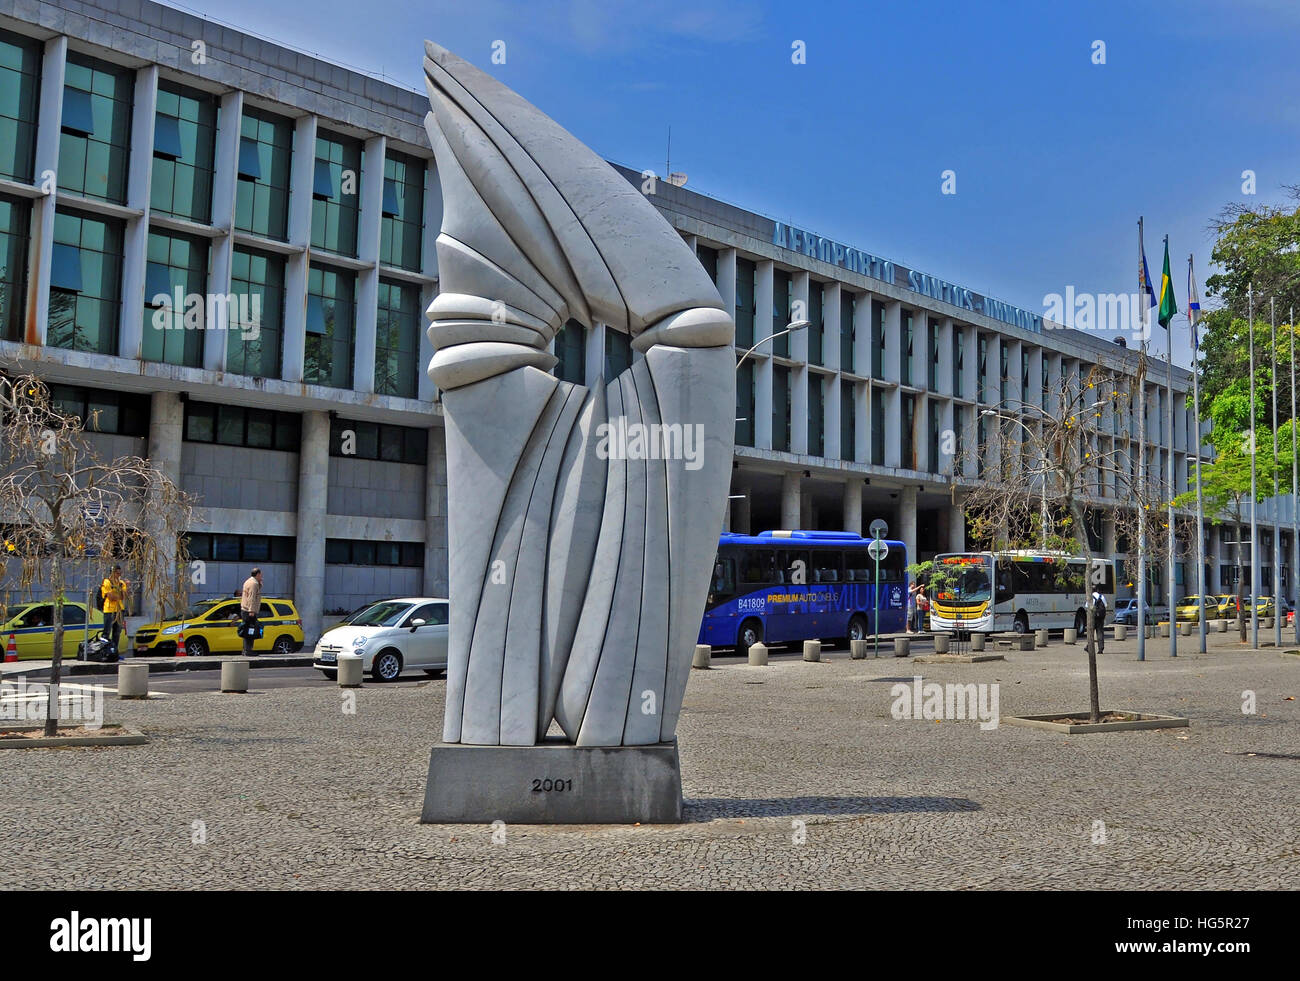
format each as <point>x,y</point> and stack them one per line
<point>132,680</point>
<point>1027,641</point>
<point>1221,626</point>
<point>858,649</point>
<point>812,650</point>
<point>902,646</point>
<point>1040,638</point>
<point>1185,629</point>
<point>234,674</point>
<point>1164,630</point>
<point>703,654</point>
<point>977,641</point>
<point>941,642</point>
<point>1071,635</point>
<point>758,656</point>
<point>1121,631</point>
<point>349,670</point>
<point>1268,623</point>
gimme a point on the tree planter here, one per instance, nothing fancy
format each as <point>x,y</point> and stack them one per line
<point>956,658</point>
<point>1076,723</point>
<point>15,737</point>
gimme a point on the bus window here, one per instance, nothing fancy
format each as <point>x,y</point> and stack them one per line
<point>755,567</point>
<point>794,565</point>
<point>858,566</point>
<point>826,565</point>
<point>724,576</point>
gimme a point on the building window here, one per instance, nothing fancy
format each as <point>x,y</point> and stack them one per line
<point>331,318</point>
<point>14,222</point>
<point>745,308</point>
<point>846,330</point>
<point>877,426</point>
<point>20,83</point>
<point>817,324</point>
<point>1044,366</point>
<point>1024,374</point>
<point>241,548</point>
<point>1003,369</point>
<point>85,283</point>
<point>848,420</point>
<point>256,314</point>
<point>175,275</point>
<point>401,223</point>
<point>878,340</point>
<point>373,441</point>
<point>909,432</point>
<point>958,363</point>
<point>571,349</point>
<point>981,443</point>
<point>95,144</point>
<point>397,339</point>
<point>933,464</point>
<point>780,407</point>
<point>816,414</point>
<point>981,378</point>
<point>335,193</point>
<point>265,159</point>
<point>618,352</point>
<point>709,261</point>
<point>780,312</point>
<point>932,356</point>
<point>344,551</point>
<point>184,145</point>
<point>745,404</point>
<point>100,411</point>
<point>905,350</point>
<point>236,425</point>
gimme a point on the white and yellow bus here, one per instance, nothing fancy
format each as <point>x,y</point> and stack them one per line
<point>1018,591</point>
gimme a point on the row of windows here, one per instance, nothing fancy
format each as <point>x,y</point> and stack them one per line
<point>118,413</point>
<point>346,551</point>
<point>241,548</point>
<point>237,425</point>
<point>377,441</point>
<point>783,566</point>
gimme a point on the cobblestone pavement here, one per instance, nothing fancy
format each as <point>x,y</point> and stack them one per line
<point>293,793</point>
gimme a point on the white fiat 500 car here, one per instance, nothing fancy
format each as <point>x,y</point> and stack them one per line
<point>391,636</point>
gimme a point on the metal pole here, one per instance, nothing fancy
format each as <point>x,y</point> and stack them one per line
<point>1254,524</point>
<point>1273,503</point>
<point>1295,480</point>
<point>1142,464</point>
<point>876,618</point>
<point>1200,503</point>
<point>1169,414</point>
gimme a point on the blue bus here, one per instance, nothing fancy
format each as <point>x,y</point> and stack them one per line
<point>781,587</point>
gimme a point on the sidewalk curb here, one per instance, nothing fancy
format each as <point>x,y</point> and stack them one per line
<point>169,664</point>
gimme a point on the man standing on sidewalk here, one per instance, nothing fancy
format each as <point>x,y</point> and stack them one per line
<point>114,590</point>
<point>249,603</point>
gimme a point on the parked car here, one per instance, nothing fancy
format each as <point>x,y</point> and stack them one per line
<point>1194,607</point>
<point>1126,612</point>
<point>391,636</point>
<point>210,628</point>
<point>32,626</point>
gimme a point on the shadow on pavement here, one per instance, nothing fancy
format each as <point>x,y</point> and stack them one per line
<point>697,810</point>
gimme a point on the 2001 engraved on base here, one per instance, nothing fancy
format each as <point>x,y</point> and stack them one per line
<point>577,575</point>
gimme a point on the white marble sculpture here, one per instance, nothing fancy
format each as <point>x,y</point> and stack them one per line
<point>578,566</point>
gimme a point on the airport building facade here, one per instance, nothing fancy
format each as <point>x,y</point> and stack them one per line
<point>222,249</point>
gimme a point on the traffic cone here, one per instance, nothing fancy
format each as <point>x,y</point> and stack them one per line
<point>11,650</point>
<point>180,643</point>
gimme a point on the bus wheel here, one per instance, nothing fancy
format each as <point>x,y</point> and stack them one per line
<point>1080,622</point>
<point>1021,625</point>
<point>751,633</point>
<point>857,628</point>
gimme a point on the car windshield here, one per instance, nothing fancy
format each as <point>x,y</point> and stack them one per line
<point>1190,601</point>
<point>382,615</point>
<point>199,609</point>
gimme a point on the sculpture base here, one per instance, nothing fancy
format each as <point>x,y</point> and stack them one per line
<point>553,783</point>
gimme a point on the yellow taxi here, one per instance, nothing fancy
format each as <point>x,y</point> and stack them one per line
<point>1191,608</point>
<point>210,628</point>
<point>32,627</point>
<point>1228,606</point>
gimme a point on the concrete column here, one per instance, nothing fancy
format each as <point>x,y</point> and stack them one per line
<point>302,180</point>
<point>799,373</point>
<point>166,420</point>
<point>907,519</point>
<point>790,500</point>
<point>853,505</point>
<point>944,356</point>
<point>313,495</point>
<point>862,422</point>
<point>862,335</point>
<point>956,528</point>
<point>225,179</point>
<point>41,251</point>
<point>435,514</point>
<point>764,284</point>
<point>893,340</point>
<point>135,243</point>
<point>893,399</point>
<point>1035,394</point>
<point>969,360</point>
<point>807,513</point>
<point>365,338</point>
<point>743,522</point>
<point>831,358</point>
<point>947,439</point>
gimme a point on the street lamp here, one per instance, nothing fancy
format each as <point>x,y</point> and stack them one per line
<point>789,329</point>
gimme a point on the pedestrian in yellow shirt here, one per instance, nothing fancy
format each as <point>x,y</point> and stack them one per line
<point>115,591</point>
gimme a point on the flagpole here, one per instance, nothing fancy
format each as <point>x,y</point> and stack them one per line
<point>1295,481</point>
<point>1142,460</point>
<point>1254,523</point>
<point>1193,311</point>
<point>1169,414</point>
<point>1274,504</point>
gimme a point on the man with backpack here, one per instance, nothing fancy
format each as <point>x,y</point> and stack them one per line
<point>114,601</point>
<point>1098,621</point>
<point>250,602</point>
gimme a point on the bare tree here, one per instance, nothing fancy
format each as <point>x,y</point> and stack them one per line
<point>61,503</point>
<point>1047,469</point>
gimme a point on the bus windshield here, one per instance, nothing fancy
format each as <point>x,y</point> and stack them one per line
<point>971,578</point>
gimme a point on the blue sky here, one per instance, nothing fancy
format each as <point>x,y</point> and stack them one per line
<point>1055,157</point>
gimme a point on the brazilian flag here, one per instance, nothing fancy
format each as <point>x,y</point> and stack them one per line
<point>1167,305</point>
